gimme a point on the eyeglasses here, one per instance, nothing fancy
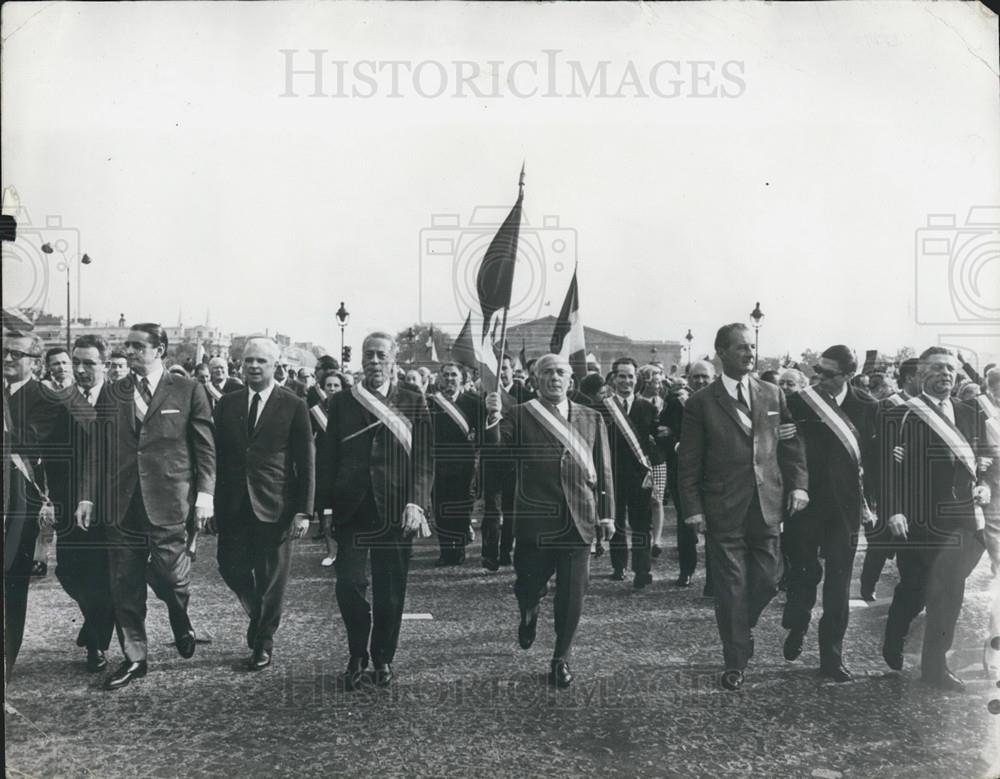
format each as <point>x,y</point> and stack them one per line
<point>826,373</point>
<point>17,354</point>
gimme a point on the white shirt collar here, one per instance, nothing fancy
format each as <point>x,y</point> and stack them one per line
<point>628,401</point>
<point>730,384</point>
<point>94,392</point>
<point>264,395</point>
<point>383,390</point>
<point>945,405</point>
<point>153,377</point>
<point>13,388</point>
<point>839,397</point>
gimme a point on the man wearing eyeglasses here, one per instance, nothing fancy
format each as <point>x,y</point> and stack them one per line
<point>839,423</point>
<point>160,472</point>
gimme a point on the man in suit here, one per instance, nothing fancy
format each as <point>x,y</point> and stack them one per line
<point>839,424</point>
<point>161,471</point>
<point>263,491</point>
<point>934,501</point>
<point>376,482</point>
<point>457,420</point>
<point>564,492</point>
<point>219,382</point>
<point>739,475</point>
<point>632,424</point>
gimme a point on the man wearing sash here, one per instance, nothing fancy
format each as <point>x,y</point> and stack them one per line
<point>880,543</point>
<point>934,503</point>
<point>632,423</point>
<point>741,473</point>
<point>457,419</point>
<point>838,422</point>
<point>564,492</point>
<point>376,483</point>
<point>219,382</point>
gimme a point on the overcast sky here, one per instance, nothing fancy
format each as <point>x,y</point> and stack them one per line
<point>786,153</point>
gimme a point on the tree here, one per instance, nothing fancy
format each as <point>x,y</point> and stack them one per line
<point>414,348</point>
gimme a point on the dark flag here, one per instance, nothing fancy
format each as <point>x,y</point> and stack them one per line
<point>567,338</point>
<point>871,357</point>
<point>496,273</point>
<point>522,357</point>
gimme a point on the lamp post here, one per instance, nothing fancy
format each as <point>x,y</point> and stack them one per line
<point>63,264</point>
<point>755,316</point>
<point>342,316</point>
<point>689,338</point>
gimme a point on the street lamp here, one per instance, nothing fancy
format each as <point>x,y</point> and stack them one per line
<point>689,338</point>
<point>755,316</point>
<point>63,264</point>
<point>342,317</point>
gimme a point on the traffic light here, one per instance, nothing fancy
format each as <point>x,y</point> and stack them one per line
<point>345,356</point>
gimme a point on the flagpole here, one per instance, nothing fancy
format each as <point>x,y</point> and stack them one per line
<point>503,321</point>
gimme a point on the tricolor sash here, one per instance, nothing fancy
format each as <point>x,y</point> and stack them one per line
<point>946,431</point>
<point>321,393</point>
<point>397,424</point>
<point>896,399</point>
<point>565,434</point>
<point>215,392</point>
<point>625,426</point>
<point>454,412</point>
<point>992,414</point>
<point>319,415</point>
<point>837,421</point>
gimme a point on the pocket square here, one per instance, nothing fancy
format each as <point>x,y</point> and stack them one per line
<point>773,413</point>
<point>171,411</point>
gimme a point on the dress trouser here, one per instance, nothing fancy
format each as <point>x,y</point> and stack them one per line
<point>499,483</point>
<point>254,559</point>
<point>687,537</point>
<point>141,552</point>
<point>15,587</point>
<point>82,570</point>
<point>805,535</point>
<point>569,560</point>
<point>932,575</point>
<point>745,564</point>
<point>372,628</point>
<point>632,511</point>
<point>452,501</point>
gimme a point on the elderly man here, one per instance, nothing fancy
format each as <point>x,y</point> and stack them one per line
<point>264,491</point>
<point>792,380</point>
<point>219,382</point>
<point>740,472</point>
<point>375,481</point>
<point>564,493</point>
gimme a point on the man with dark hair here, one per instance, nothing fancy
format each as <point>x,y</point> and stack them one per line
<point>741,470</point>
<point>59,367</point>
<point>161,470</point>
<point>838,422</point>
<point>117,366</point>
<point>934,502</point>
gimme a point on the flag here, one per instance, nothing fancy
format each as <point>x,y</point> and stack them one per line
<point>199,354</point>
<point>496,273</point>
<point>430,345</point>
<point>522,357</point>
<point>567,338</point>
<point>871,357</point>
<point>475,352</point>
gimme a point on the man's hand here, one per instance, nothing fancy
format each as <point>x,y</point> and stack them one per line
<point>787,430</point>
<point>84,514</point>
<point>898,526</point>
<point>797,500</point>
<point>696,522</point>
<point>983,464</point>
<point>415,522</point>
<point>201,515</point>
<point>647,481</point>
<point>47,515</point>
<point>981,495</point>
<point>300,525</point>
<point>607,526</point>
<point>493,405</point>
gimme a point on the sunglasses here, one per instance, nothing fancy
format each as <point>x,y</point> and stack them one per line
<point>826,373</point>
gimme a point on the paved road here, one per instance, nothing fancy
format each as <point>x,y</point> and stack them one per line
<point>468,701</point>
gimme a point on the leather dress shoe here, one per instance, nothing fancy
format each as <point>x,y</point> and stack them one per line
<point>618,575</point>
<point>526,630</point>
<point>490,564</point>
<point>732,679</point>
<point>868,594</point>
<point>185,644</point>
<point>560,675</point>
<point>944,680</point>
<point>383,674</point>
<point>260,659</point>
<point>793,644</point>
<point>126,672</point>
<point>96,661</point>
<point>835,670</point>
<point>355,677</point>
<point>598,550</point>
<point>642,580</point>
<point>892,653</point>
<point>684,580</point>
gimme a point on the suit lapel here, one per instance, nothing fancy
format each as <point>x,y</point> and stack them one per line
<point>758,412</point>
<point>162,390</point>
<point>265,413</point>
<point>728,404</point>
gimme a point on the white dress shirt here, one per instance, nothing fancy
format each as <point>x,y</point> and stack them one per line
<point>839,397</point>
<point>95,391</point>
<point>625,401</point>
<point>13,388</point>
<point>945,405</point>
<point>730,384</point>
<point>264,395</point>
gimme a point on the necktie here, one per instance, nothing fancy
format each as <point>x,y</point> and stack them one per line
<point>741,399</point>
<point>252,419</point>
<point>147,396</point>
<point>86,395</point>
<point>623,405</point>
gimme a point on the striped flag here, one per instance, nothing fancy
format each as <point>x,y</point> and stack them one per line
<point>495,279</point>
<point>567,338</point>
<point>473,351</point>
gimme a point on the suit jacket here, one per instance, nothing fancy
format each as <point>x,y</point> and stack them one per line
<point>625,466</point>
<point>671,419</point>
<point>373,461</point>
<point>170,459</point>
<point>229,385</point>
<point>931,488</point>
<point>455,452</point>
<point>721,467</point>
<point>548,477</point>
<point>834,487</point>
<point>274,466</point>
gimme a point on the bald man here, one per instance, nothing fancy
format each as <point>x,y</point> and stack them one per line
<point>263,492</point>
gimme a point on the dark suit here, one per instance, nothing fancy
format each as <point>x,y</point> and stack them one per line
<point>498,489</point>
<point>739,482</point>
<point>263,480</point>
<point>556,511</point>
<point>933,490</point>
<point>367,479</point>
<point>832,519</point>
<point>633,509</point>
<point>455,455</point>
<point>672,418</point>
<point>152,477</point>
